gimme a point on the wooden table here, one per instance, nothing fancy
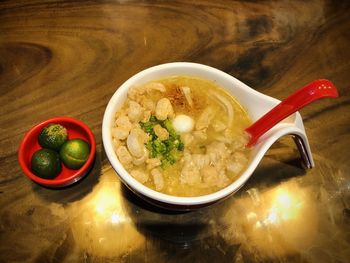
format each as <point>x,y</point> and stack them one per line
<point>68,57</point>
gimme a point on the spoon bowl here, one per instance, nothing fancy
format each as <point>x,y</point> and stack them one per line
<point>256,104</point>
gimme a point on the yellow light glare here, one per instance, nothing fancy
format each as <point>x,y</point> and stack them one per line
<point>115,218</point>
<point>282,222</point>
<point>284,206</point>
<point>105,201</point>
<point>272,218</point>
<point>101,224</point>
<point>284,198</point>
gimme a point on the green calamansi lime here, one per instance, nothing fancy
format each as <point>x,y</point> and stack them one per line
<point>53,136</point>
<point>46,163</point>
<point>74,153</point>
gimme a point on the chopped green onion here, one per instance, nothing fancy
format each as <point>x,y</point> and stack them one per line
<point>166,150</point>
<point>181,146</point>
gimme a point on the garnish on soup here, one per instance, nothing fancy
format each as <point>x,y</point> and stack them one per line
<point>164,143</point>
<point>181,136</point>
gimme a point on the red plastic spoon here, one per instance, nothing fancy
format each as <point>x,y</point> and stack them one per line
<point>315,90</point>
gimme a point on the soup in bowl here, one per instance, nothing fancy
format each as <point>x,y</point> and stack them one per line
<point>174,133</point>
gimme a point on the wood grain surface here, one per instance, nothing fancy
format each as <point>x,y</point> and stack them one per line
<point>67,58</point>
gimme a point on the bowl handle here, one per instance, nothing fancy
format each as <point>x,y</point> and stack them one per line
<point>304,150</point>
<point>297,131</point>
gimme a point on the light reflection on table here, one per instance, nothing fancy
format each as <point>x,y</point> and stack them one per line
<point>290,219</point>
<point>99,222</point>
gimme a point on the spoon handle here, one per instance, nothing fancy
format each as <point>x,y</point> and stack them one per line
<point>315,90</point>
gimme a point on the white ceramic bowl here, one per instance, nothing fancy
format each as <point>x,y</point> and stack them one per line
<point>256,104</point>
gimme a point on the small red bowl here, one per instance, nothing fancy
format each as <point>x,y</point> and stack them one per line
<point>30,144</point>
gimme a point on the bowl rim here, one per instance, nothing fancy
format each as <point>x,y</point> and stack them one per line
<point>132,183</point>
<point>67,180</point>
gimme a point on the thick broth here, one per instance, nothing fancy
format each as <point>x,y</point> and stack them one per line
<point>214,152</point>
